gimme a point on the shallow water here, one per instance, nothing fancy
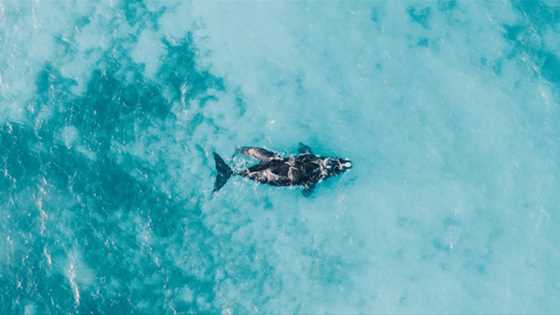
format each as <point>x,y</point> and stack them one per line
<point>109,113</point>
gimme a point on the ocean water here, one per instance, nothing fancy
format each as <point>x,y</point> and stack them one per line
<point>110,111</point>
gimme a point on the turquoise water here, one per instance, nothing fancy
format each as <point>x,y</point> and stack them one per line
<point>110,111</point>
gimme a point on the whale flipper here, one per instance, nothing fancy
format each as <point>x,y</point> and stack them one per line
<point>223,170</point>
<point>259,153</point>
<point>303,149</point>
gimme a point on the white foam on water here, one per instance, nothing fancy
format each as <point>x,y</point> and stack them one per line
<point>39,201</point>
<point>77,273</point>
<point>71,275</point>
<point>48,256</point>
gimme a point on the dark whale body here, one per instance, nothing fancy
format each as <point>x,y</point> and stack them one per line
<point>304,169</point>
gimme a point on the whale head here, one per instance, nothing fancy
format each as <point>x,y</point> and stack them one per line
<point>337,166</point>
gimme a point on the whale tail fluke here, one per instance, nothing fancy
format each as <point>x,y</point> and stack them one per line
<point>224,172</point>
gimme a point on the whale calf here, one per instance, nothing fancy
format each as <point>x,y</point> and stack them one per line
<point>304,169</point>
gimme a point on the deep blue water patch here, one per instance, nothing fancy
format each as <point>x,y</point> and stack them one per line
<point>137,13</point>
<point>527,37</point>
<point>118,102</point>
<point>375,15</point>
<point>538,12</point>
<point>447,5</point>
<point>423,42</point>
<point>420,15</point>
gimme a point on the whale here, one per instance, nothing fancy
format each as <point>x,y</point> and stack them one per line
<point>304,169</point>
